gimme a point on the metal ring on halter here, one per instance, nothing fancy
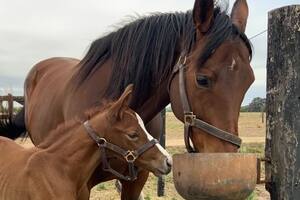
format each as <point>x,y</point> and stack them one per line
<point>180,59</point>
<point>189,118</point>
<point>130,156</point>
<point>101,142</point>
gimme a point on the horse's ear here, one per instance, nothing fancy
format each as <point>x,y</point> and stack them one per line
<point>119,106</point>
<point>203,15</point>
<point>239,14</point>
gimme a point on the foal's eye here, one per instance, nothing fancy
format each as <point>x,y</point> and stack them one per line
<point>132,136</point>
<point>203,81</point>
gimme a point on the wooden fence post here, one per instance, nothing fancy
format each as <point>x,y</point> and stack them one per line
<point>283,103</point>
<point>10,103</point>
<point>1,106</point>
<point>162,141</point>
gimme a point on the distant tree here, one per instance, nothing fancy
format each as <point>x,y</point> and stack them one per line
<point>257,105</point>
<point>169,109</point>
<point>244,108</point>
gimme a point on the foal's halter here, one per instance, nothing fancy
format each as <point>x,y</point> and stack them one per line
<point>128,155</point>
<point>190,119</point>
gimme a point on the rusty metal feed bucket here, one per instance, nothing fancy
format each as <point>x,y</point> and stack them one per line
<point>225,176</point>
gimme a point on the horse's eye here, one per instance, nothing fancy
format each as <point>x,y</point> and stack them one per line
<point>132,136</point>
<point>203,81</point>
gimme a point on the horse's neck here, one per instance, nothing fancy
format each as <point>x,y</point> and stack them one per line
<point>157,101</point>
<point>89,94</point>
<point>76,152</point>
<point>92,93</point>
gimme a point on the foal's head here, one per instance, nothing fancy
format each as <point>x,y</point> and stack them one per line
<point>124,128</point>
<point>218,72</point>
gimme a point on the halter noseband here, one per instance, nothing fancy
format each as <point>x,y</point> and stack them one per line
<point>129,156</point>
<point>190,119</point>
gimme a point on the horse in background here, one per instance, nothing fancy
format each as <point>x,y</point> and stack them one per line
<point>207,84</point>
<point>61,166</point>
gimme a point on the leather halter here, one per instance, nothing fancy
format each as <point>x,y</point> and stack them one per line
<point>128,155</point>
<point>190,119</point>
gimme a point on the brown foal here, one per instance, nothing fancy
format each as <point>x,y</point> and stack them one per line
<point>61,166</point>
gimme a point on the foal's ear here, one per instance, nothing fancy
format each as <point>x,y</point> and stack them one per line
<point>239,14</point>
<point>119,106</point>
<point>203,15</point>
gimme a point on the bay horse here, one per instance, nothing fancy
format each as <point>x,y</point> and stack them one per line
<point>199,61</point>
<point>60,166</point>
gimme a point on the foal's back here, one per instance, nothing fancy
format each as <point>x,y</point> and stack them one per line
<point>12,159</point>
<point>12,153</point>
<point>24,172</point>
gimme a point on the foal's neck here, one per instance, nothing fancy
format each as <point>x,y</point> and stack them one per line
<point>76,153</point>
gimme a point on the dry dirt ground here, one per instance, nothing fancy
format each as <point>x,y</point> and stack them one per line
<point>251,130</point>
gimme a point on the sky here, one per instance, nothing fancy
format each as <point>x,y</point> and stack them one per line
<point>34,30</point>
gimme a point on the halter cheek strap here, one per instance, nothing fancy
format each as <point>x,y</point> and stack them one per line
<point>129,156</point>
<point>190,119</point>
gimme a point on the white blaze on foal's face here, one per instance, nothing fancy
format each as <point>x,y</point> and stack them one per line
<point>233,64</point>
<point>161,149</point>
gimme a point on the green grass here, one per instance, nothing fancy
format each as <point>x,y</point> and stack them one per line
<point>256,148</point>
<point>102,186</point>
<point>253,196</point>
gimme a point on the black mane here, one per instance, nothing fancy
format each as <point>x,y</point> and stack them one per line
<point>144,51</point>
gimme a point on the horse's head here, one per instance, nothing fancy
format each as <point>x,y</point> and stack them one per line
<point>217,73</point>
<point>126,129</point>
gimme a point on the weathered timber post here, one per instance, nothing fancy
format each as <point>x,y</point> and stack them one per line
<point>162,141</point>
<point>10,100</point>
<point>1,106</point>
<point>283,104</point>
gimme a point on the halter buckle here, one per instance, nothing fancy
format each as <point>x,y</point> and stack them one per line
<point>182,60</point>
<point>189,118</point>
<point>101,142</point>
<point>130,157</point>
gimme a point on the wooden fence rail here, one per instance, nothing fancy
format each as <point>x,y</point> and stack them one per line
<point>10,99</point>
